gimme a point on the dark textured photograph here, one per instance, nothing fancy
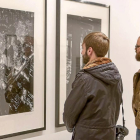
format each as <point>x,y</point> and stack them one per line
<point>16,61</point>
<point>77,28</point>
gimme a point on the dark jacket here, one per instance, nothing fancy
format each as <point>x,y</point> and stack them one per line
<point>92,108</point>
<point>136,99</point>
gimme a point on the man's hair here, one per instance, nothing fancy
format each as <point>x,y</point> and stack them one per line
<point>99,43</point>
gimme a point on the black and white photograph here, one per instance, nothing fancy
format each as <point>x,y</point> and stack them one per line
<point>22,67</point>
<point>77,28</point>
<point>72,25</point>
<point>16,61</point>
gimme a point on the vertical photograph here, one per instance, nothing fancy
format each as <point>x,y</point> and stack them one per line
<point>77,28</point>
<point>16,61</point>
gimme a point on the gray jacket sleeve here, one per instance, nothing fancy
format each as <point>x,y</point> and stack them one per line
<point>74,104</point>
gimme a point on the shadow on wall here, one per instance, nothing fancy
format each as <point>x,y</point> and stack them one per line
<point>60,129</point>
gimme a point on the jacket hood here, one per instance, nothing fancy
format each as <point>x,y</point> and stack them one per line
<point>107,73</point>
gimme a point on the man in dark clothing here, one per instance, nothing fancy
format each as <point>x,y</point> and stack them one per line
<point>92,108</point>
<point>136,92</point>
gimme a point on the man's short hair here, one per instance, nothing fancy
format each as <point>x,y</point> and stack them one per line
<point>99,43</point>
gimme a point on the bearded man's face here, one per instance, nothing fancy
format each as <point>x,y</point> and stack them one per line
<point>86,58</point>
<point>137,49</point>
<point>137,56</point>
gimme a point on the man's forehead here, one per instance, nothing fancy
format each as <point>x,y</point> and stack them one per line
<point>138,41</point>
<point>83,44</point>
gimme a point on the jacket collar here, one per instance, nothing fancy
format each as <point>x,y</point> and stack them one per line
<point>96,62</point>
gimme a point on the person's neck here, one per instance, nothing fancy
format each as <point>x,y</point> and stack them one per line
<point>93,58</point>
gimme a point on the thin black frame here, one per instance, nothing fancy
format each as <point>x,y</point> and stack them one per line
<point>45,46</point>
<point>57,83</point>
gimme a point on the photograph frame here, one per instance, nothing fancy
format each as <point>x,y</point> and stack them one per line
<point>58,52</point>
<point>44,83</point>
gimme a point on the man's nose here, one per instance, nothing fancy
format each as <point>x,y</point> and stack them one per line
<point>138,49</point>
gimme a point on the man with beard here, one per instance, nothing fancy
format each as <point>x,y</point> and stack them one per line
<point>136,94</point>
<point>92,108</point>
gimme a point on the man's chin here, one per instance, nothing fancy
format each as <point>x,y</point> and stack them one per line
<point>85,60</point>
<point>84,63</point>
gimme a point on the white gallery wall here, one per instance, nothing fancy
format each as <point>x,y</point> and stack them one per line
<point>125,29</point>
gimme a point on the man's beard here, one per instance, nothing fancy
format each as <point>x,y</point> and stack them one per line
<point>86,58</point>
<point>137,56</point>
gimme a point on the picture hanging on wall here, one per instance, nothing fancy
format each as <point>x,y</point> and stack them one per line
<point>22,67</point>
<point>72,25</point>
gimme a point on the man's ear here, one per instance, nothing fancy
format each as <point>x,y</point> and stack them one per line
<point>90,50</point>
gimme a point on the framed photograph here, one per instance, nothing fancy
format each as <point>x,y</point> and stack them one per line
<point>74,20</point>
<point>22,67</point>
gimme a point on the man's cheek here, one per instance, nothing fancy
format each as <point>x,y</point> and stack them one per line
<point>138,50</point>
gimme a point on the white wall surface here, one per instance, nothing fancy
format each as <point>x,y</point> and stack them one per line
<point>125,29</point>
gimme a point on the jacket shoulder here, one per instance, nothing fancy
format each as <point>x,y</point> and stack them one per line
<point>81,77</point>
<point>78,79</point>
